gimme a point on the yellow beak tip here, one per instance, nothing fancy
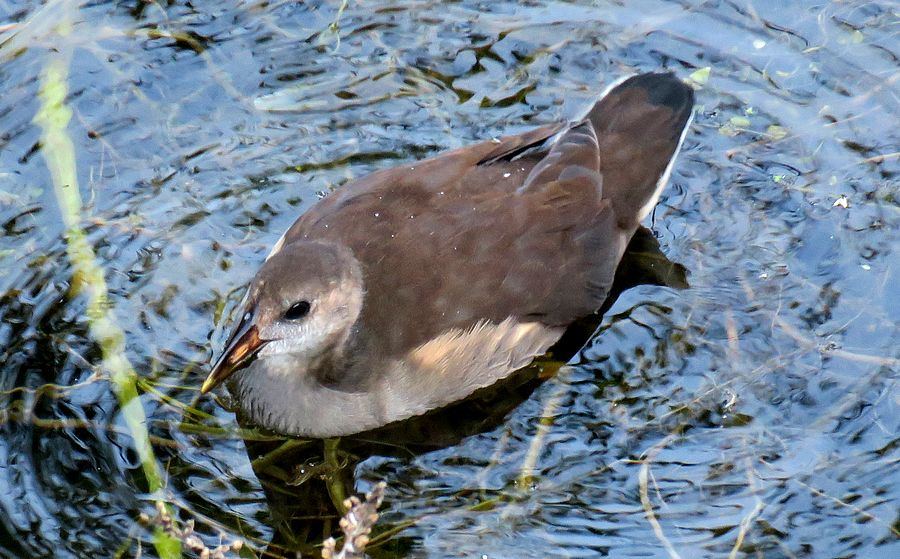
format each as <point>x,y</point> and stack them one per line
<point>208,385</point>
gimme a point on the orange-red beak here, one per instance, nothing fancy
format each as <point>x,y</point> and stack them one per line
<point>240,350</point>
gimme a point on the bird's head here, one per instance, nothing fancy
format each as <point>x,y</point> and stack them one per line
<point>300,308</point>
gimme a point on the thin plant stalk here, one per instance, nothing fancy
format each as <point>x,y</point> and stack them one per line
<point>59,154</point>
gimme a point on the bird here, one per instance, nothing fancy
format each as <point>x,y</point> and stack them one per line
<point>413,287</point>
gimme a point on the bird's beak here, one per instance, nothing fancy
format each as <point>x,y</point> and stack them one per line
<point>243,345</point>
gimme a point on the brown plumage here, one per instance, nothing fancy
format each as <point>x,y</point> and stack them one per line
<point>424,282</point>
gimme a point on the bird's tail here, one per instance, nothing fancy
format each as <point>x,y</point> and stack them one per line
<point>640,124</point>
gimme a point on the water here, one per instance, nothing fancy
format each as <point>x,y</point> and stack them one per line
<point>754,414</point>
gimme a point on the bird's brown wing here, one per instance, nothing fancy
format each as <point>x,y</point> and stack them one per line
<point>523,228</point>
<point>448,242</point>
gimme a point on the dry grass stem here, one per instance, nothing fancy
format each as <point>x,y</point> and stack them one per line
<point>865,514</point>
<point>543,427</point>
<point>751,516</point>
<point>187,536</point>
<point>643,482</point>
<point>356,525</point>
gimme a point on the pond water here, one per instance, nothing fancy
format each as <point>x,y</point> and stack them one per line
<point>754,414</point>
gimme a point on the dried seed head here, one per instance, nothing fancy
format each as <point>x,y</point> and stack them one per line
<point>194,542</point>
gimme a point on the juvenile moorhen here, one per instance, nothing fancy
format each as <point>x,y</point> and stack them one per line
<point>414,286</point>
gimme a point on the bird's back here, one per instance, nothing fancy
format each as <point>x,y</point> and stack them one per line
<point>530,227</point>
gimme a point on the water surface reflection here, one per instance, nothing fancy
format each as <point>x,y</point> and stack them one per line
<point>754,414</point>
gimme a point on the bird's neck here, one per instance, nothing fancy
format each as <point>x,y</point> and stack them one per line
<point>279,394</point>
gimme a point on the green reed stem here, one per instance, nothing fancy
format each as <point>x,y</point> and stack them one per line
<point>59,154</point>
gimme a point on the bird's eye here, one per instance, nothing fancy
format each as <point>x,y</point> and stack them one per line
<point>298,310</point>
